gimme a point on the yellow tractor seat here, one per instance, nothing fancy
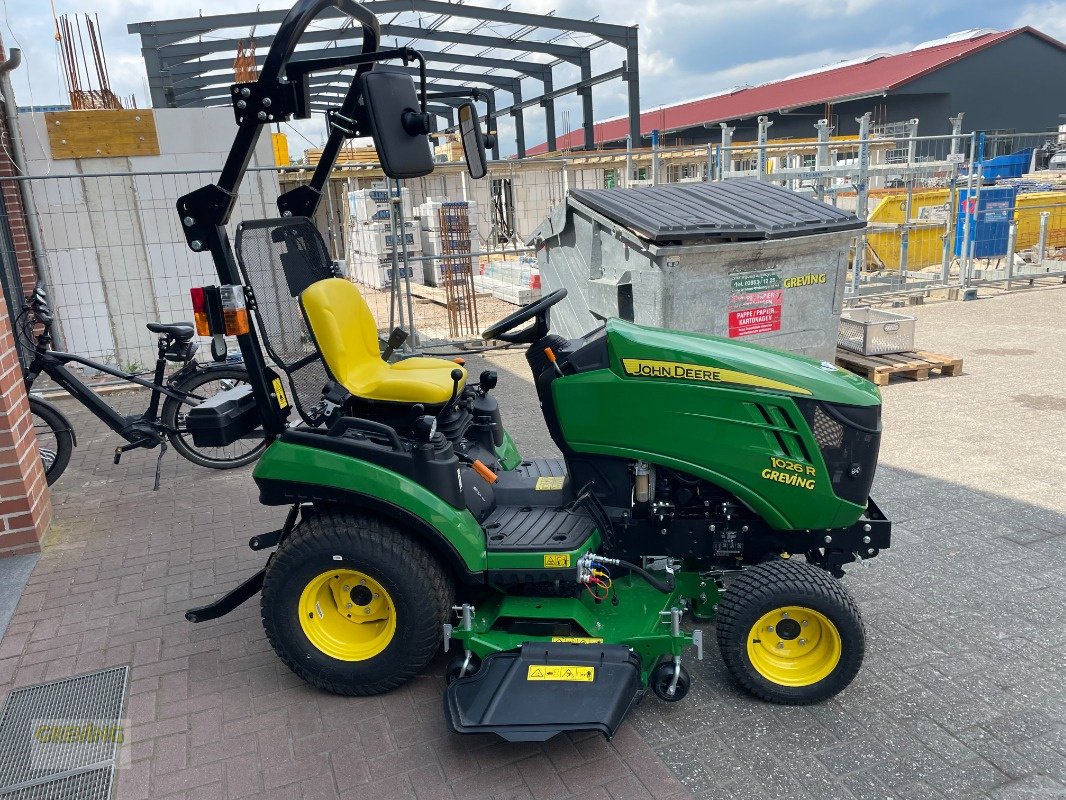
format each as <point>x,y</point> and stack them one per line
<point>347,336</point>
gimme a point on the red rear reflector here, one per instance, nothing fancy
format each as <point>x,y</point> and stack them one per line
<point>199,311</point>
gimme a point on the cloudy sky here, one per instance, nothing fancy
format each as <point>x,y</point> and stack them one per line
<point>688,48</point>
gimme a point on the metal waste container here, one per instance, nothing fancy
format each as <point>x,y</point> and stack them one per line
<point>740,258</point>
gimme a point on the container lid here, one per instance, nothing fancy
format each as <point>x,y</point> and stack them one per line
<point>744,208</point>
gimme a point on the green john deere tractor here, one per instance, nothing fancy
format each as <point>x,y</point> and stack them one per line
<point>701,479</point>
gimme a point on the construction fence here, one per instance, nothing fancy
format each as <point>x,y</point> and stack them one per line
<point>444,256</point>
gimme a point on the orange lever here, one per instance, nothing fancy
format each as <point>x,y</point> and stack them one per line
<point>484,471</point>
<point>550,354</point>
<point>459,360</point>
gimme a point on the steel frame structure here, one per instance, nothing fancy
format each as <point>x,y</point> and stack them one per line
<point>190,61</point>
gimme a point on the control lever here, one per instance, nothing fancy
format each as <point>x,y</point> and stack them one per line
<point>395,342</point>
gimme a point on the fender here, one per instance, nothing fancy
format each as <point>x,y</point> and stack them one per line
<point>288,473</point>
<point>55,410</point>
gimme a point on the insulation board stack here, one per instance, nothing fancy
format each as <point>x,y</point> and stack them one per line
<point>515,279</point>
<point>371,241</point>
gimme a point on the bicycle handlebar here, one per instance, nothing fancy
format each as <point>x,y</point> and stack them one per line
<point>300,16</point>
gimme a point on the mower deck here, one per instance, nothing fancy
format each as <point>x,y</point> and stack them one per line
<point>543,689</point>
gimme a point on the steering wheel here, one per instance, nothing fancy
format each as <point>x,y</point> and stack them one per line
<point>538,309</point>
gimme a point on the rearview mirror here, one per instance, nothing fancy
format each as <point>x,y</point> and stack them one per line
<point>473,141</point>
<point>397,124</point>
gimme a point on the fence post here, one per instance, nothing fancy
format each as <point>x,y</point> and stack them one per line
<point>764,127</point>
<point>953,196</point>
<point>967,219</point>
<point>710,163</point>
<point>655,158</point>
<point>862,200</point>
<point>1041,250</point>
<point>1012,238</point>
<point>726,162</point>
<point>629,161</point>
<point>821,156</point>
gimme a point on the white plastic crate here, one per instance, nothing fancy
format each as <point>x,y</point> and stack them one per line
<point>873,332</point>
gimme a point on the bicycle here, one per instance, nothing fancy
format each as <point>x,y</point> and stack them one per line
<point>185,388</point>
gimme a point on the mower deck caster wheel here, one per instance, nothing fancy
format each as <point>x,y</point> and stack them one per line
<point>455,667</point>
<point>663,676</point>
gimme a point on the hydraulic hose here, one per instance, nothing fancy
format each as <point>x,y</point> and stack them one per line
<point>664,586</point>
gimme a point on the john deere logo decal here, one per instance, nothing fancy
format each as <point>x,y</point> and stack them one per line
<point>675,370</point>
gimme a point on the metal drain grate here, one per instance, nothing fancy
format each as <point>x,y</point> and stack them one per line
<point>60,740</point>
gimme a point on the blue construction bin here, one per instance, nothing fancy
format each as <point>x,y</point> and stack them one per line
<point>989,214</point>
<point>1013,166</point>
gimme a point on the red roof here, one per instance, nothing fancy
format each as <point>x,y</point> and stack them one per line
<point>828,86</point>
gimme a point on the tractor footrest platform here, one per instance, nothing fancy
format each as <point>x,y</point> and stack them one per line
<point>537,528</point>
<point>529,695</point>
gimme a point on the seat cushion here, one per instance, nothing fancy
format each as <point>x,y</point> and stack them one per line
<point>346,334</point>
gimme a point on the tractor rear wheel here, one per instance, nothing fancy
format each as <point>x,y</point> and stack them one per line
<point>790,633</point>
<point>354,605</point>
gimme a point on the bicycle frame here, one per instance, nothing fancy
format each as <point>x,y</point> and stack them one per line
<point>53,364</point>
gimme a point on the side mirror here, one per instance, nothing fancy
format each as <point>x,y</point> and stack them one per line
<point>397,124</point>
<point>473,141</point>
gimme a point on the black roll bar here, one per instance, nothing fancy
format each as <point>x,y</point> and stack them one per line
<point>274,97</point>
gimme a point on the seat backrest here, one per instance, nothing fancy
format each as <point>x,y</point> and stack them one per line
<point>343,327</point>
<point>279,258</point>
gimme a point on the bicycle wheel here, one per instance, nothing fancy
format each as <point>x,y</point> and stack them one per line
<point>200,386</point>
<point>55,440</point>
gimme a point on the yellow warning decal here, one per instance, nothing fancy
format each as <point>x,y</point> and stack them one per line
<point>697,372</point>
<point>555,561</point>
<point>279,393</point>
<point>549,484</point>
<point>559,672</point>
<point>577,639</point>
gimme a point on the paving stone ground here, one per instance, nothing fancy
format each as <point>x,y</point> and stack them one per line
<point>961,696</point>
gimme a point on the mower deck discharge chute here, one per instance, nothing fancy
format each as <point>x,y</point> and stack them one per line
<point>702,479</point>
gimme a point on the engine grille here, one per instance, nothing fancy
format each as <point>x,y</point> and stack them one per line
<point>848,438</point>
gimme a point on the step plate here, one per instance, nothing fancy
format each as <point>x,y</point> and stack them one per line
<point>536,529</point>
<point>530,695</point>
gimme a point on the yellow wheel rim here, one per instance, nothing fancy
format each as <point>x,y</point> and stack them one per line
<point>347,615</point>
<point>794,646</point>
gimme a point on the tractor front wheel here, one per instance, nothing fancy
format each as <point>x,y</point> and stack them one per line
<point>353,604</point>
<point>790,633</point>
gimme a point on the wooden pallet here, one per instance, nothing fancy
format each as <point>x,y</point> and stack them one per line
<point>915,366</point>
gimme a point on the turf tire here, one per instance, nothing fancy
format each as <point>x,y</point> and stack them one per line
<point>419,587</point>
<point>773,584</point>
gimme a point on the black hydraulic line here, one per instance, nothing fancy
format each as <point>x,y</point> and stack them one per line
<point>664,586</point>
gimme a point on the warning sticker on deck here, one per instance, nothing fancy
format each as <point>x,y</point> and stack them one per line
<point>553,484</point>
<point>577,639</point>
<point>559,672</point>
<point>553,561</point>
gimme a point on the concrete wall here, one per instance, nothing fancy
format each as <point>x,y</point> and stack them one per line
<point>116,256</point>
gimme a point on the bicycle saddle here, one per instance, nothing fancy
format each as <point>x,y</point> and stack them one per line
<point>182,331</point>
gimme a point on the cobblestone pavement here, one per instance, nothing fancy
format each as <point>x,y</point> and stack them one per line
<point>961,695</point>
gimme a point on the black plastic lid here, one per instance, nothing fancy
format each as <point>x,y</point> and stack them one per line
<point>744,208</point>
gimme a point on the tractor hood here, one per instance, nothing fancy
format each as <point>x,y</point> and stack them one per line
<point>637,351</point>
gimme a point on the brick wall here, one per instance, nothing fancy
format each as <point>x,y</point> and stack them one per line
<point>25,504</point>
<point>12,199</point>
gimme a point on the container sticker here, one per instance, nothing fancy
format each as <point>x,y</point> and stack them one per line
<point>552,484</point>
<point>675,370</point>
<point>755,282</point>
<point>810,279</point>
<point>557,560</point>
<point>672,261</point>
<point>279,394</point>
<point>750,321</point>
<point>577,639</point>
<point>756,299</point>
<point>560,672</point>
